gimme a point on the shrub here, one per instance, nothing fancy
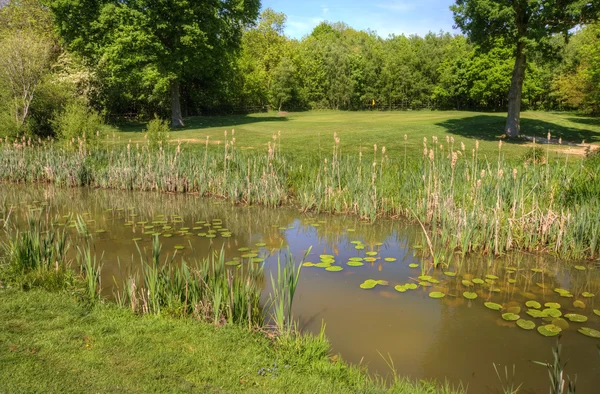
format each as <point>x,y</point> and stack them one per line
<point>77,121</point>
<point>157,133</point>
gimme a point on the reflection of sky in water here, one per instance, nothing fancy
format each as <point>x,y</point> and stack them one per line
<point>426,338</point>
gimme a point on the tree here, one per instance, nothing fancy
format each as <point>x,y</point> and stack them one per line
<point>24,59</point>
<point>175,39</point>
<point>526,24</point>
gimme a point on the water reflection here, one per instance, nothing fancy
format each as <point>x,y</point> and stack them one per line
<point>427,338</point>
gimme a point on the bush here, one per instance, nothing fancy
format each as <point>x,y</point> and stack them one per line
<point>77,121</point>
<point>157,133</point>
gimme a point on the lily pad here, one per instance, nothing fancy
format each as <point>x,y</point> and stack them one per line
<point>493,306</point>
<point>179,247</point>
<point>371,253</point>
<point>308,264</point>
<point>382,282</point>
<point>554,305</point>
<point>413,265</point>
<point>560,322</point>
<point>579,304</point>
<point>334,268</point>
<point>411,286</point>
<point>597,312</point>
<point>469,295</point>
<point>449,273</point>
<point>260,244</point>
<point>232,262</point>
<point>549,330</point>
<point>580,267</point>
<point>590,332</point>
<point>493,277</point>
<point>370,259</point>
<point>510,316</point>
<point>355,263</point>
<point>325,256</point>
<point>467,283</point>
<point>355,259</point>
<point>368,284</point>
<point>359,247</point>
<point>390,259</point>
<point>576,318</point>
<point>478,281</point>
<point>400,288</point>
<point>536,313</point>
<point>249,255</point>
<point>436,294</point>
<point>587,295</point>
<point>323,265</point>
<point>424,277</point>
<point>552,312</point>
<point>526,324</point>
<point>243,249</point>
<point>514,309</point>
<point>425,284</point>
<point>512,281</point>
<point>533,304</point>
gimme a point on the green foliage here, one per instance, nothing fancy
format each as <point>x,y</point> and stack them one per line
<point>157,133</point>
<point>78,123</point>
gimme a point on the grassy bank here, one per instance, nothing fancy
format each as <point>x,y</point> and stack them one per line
<point>467,200</point>
<point>50,342</point>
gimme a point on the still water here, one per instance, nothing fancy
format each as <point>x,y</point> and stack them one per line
<point>451,338</point>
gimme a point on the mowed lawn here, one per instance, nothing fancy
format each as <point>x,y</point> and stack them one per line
<point>312,133</point>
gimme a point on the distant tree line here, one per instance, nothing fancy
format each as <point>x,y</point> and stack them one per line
<point>121,60</point>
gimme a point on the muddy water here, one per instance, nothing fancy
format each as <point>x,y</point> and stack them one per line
<point>449,338</point>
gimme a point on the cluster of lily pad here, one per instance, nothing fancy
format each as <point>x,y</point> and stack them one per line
<point>251,255</point>
<point>327,262</point>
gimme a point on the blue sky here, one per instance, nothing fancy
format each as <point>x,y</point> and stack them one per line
<point>384,16</point>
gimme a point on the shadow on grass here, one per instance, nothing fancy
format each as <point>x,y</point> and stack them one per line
<point>204,122</point>
<point>491,128</point>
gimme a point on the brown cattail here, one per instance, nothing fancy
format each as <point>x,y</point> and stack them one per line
<point>454,158</point>
<point>405,137</point>
<point>514,173</point>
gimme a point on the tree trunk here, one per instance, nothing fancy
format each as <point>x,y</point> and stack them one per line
<point>176,118</point>
<point>513,121</point>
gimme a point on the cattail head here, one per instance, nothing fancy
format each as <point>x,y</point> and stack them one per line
<point>482,174</point>
<point>452,139</point>
<point>478,183</point>
<point>425,152</point>
<point>225,133</point>
<point>454,159</point>
<point>435,139</point>
<point>431,157</point>
<point>500,173</point>
<point>441,147</point>
<point>447,139</point>
<point>375,148</point>
<point>514,173</point>
<point>462,146</point>
<point>383,150</point>
<point>476,144</point>
<point>548,136</point>
<point>232,131</point>
<point>424,140</point>
<point>405,137</point>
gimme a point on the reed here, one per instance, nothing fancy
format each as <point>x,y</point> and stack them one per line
<point>465,201</point>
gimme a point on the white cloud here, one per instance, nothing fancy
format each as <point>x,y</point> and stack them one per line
<point>298,27</point>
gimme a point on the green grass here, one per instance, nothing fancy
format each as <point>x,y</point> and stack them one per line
<point>311,133</point>
<point>50,342</point>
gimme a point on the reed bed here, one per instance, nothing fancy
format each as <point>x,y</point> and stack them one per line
<point>466,202</point>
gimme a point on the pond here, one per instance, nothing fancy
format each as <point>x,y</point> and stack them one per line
<point>371,314</point>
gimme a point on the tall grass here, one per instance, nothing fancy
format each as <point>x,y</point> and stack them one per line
<point>204,289</point>
<point>467,202</point>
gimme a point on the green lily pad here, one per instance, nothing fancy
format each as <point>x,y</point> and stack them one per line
<point>510,316</point>
<point>552,312</point>
<point>413,265</point>
<point>478,281</point>
<point>533,304</point>
<point>493,306</point>
<point>232,262</point>
<point>579,268</point>
<point>400,288</point>
<point>433,280</point>
<point>370,259</point>
<point>260,244</point>
<point>383,282</point>
<point>167,235</point>
<point>587,295</point>
<point>210,235</point>
<point>469,295</point>
<point>526,324</point>
<point>467,283</point>
<point>371,253</point>
<point>308,264</point>
<point>257,260</point>
<point>355,263</point>
<point>436,294</point>
<point>424,277</point>
<point>334,268</point>
<point>536,313</point>
<point>492,277</point>
<point>359,247</point>
<point>590,332</point>
<point>368,284</point>
<point>179,247</point>
<point>411,286</point>
<point>249,255</point>
<point>514,309</point>
<point>449,273</point>
<point>323,265</point>
<point>560,322</point>
<point>425,284</point>
<point>327,257</point>
<point>356,259</point>
<point>202,234</point>
<point>554,305</point>
<point>576,318</point>
<point>579,304</point>
<point>243,249</point>
<point>390,259</point>
<point>512,281</point>
<point>597,312</point>
<point>549,330</point>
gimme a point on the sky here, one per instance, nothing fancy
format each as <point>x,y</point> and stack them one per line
<point>383,16</point>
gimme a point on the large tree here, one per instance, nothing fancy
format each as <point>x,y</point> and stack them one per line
<point>525,24</point>
<point>175,38</point>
